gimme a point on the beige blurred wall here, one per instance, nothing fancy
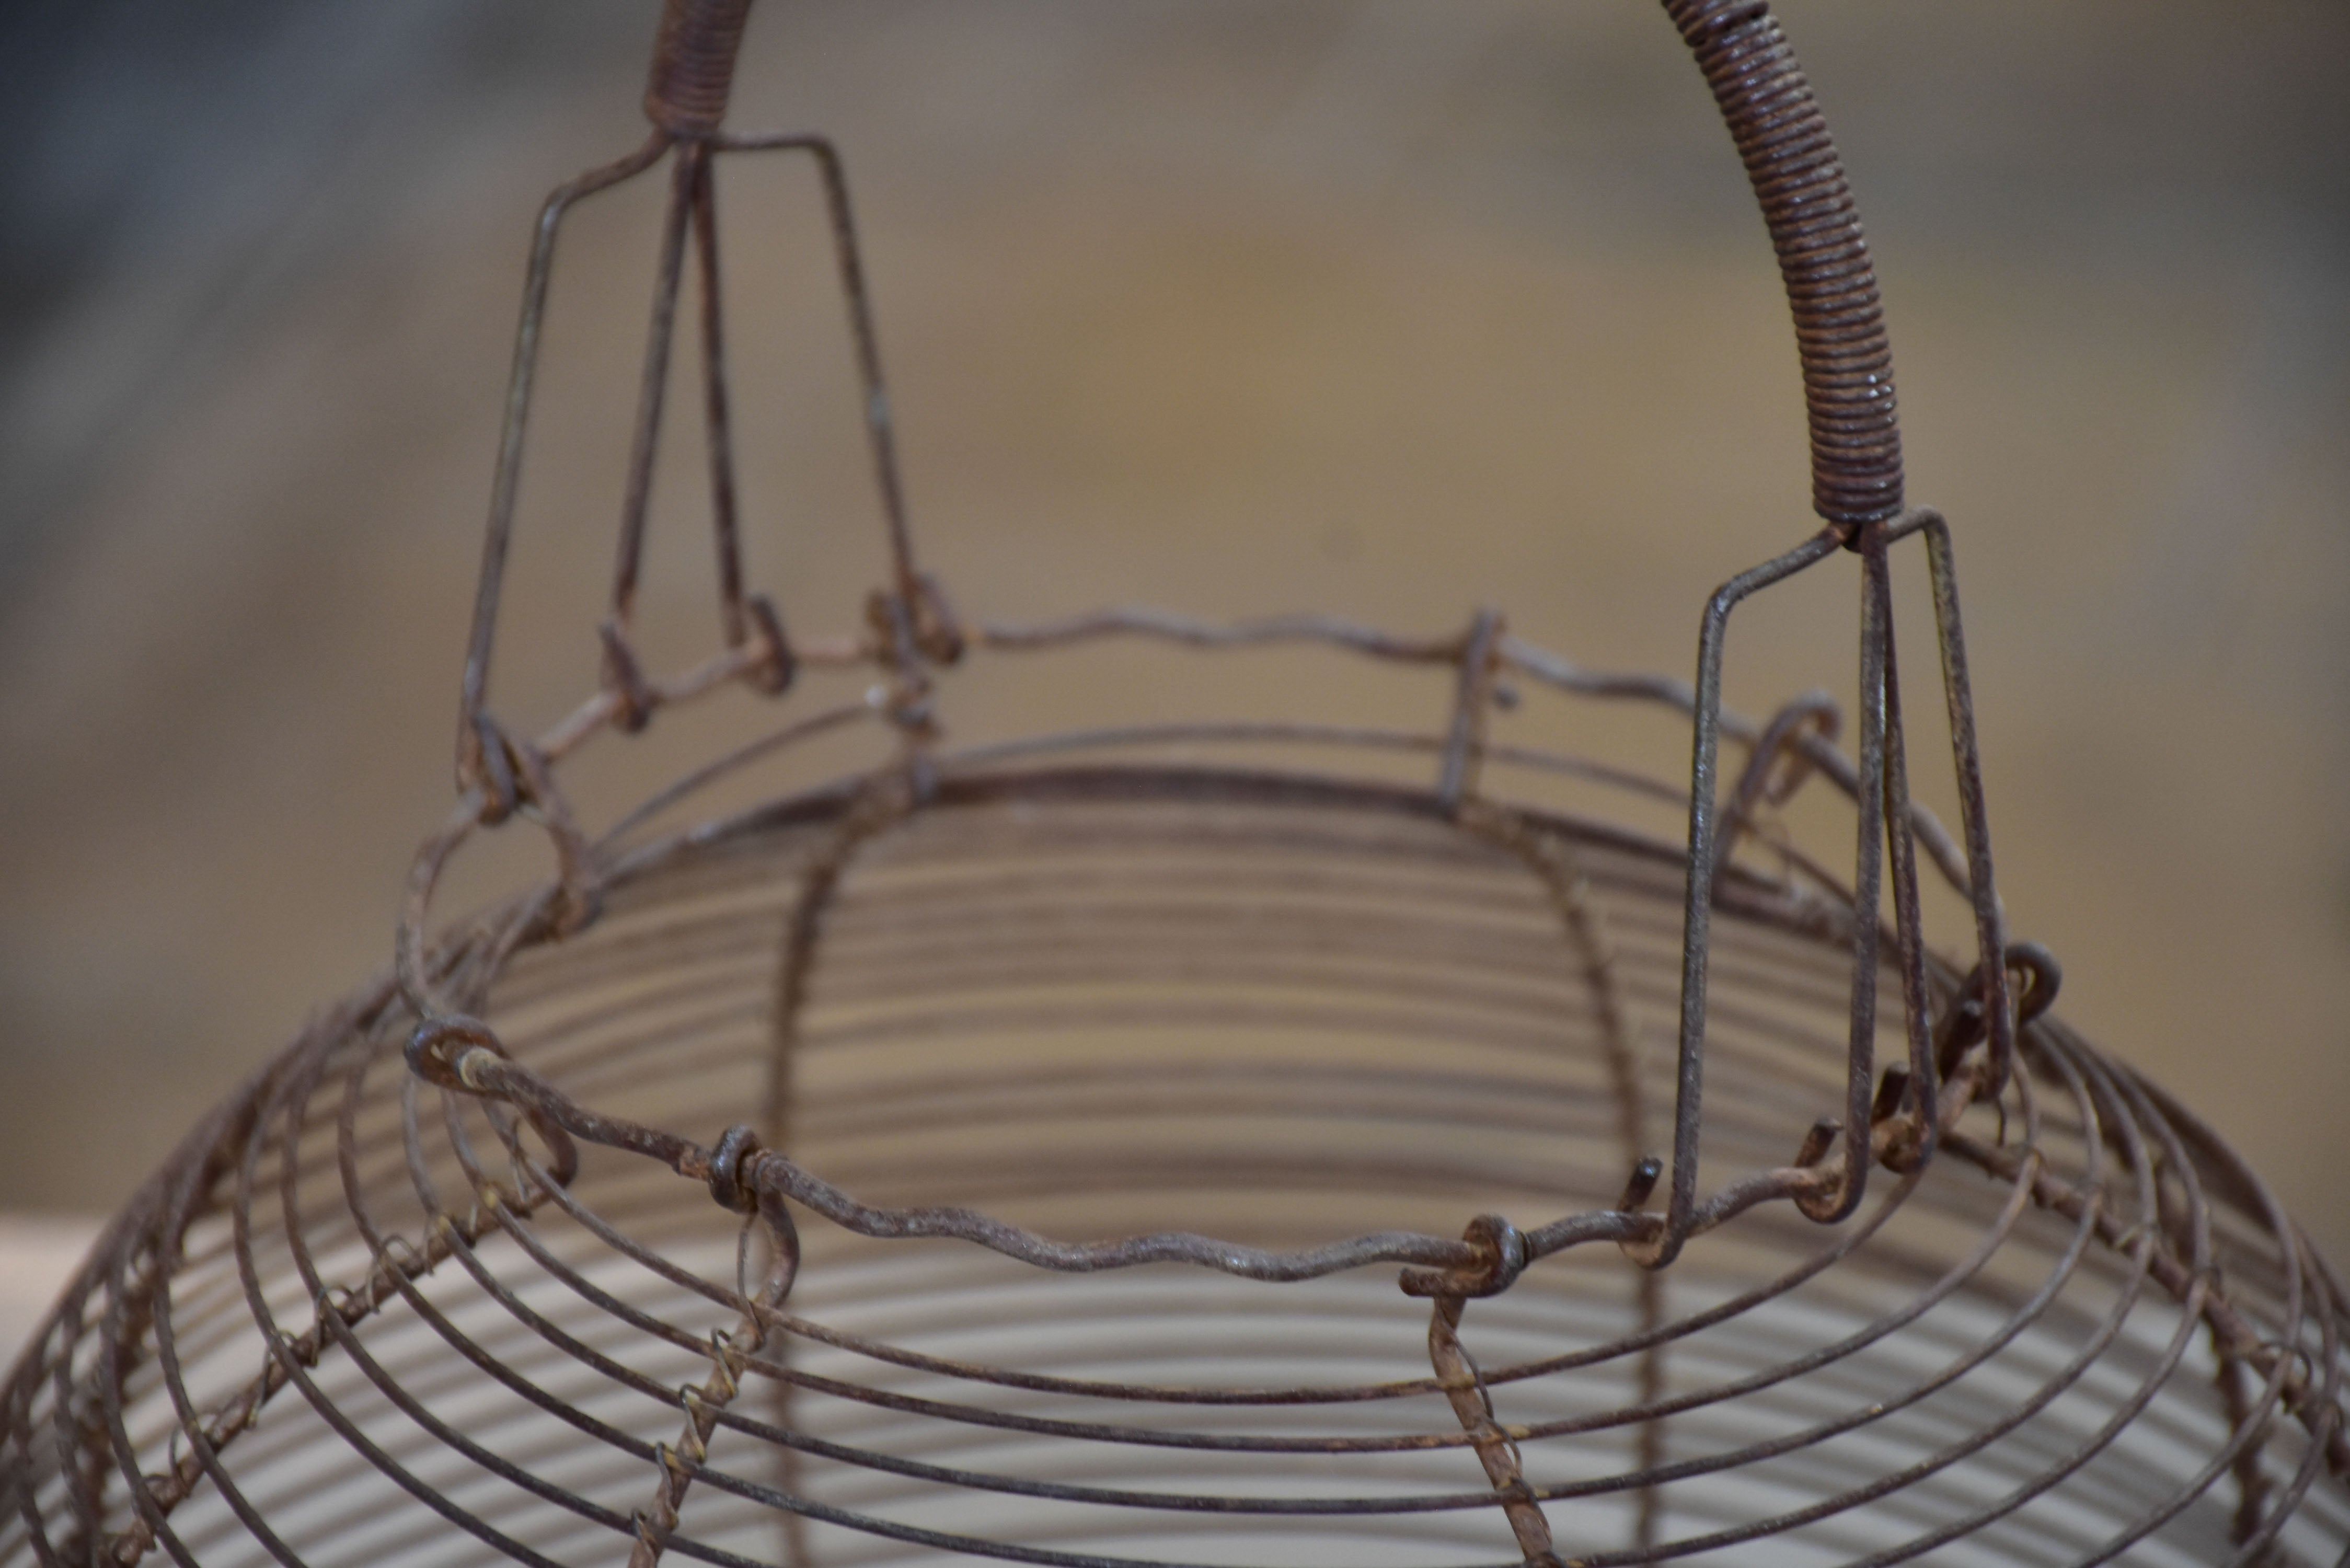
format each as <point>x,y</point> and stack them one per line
<point>1387,309</point>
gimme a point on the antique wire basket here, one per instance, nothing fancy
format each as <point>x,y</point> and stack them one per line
<point>1087,1098</point>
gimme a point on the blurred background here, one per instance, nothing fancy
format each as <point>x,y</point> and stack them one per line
<point>1387,309</point>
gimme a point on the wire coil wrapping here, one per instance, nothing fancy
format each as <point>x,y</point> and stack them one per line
<point>693,65</point>
<point>1823,255</point>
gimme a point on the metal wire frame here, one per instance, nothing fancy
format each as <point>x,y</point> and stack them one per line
<point>2273,1346</point>
<point>1847,364</point>
<point>2088,1265</point>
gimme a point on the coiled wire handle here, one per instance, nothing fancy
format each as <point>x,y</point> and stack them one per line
<point>693,65</point>
<point>1823,256</point>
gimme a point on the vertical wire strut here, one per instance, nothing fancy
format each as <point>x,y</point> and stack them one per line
<point>1901,848</point>
<point>740,615</point>
<point>691,75</point>
<point>653,384</point>
<point>730,1353</point>
<point>1884,834</point>
<point>716,415</point>
<point>1472,1404</point>
<point>882,804</point>
<point>1697,914</point>
<point>1554,862</point>
<point>1998,1000</point>
<point>475,745</point>
<point>941,639</point>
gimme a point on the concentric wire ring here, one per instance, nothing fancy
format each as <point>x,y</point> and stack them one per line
<point>2096,1339</point>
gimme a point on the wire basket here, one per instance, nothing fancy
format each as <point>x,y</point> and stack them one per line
<point>1087,1098</point>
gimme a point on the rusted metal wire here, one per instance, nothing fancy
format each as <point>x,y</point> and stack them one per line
<point>1831,284</point>
<point>1096,1124</point>
<point>693,65</point>
<point>1993,1328</point>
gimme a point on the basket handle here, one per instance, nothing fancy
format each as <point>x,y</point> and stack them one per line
<point>693,65</point>
<point>1790,159</point>
<point>1823,256</point>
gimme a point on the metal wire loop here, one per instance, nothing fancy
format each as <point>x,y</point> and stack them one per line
<point>727,1183</point>
<point>1500,1257</point>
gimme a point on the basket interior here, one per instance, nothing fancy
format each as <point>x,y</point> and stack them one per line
<point>1100,1000</point>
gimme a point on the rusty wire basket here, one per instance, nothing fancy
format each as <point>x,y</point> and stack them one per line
<point>1086,1099</point>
